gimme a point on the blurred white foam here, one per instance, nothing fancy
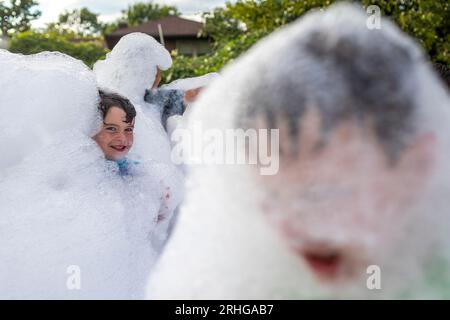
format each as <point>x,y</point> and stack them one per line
<point>224,246</point>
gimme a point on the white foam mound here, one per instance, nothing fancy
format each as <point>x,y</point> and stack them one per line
<point>28,123</point>
<point>70,226</point>
<point>130,68</point>
<point>223,246</point>
<point>192,83</point>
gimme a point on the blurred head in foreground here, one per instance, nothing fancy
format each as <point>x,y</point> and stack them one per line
<point>356,151</point>
<point>354,156</point>
<point>134,65</point>
<point>363,129</point>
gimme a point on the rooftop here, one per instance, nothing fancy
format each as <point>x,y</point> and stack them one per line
<point>172,26</point>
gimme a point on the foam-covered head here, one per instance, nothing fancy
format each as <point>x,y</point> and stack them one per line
<point>353,134</point>
<point>131,67</point>
<point>363,141</point>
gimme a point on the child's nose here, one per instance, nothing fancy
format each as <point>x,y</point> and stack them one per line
<point>120,136</point>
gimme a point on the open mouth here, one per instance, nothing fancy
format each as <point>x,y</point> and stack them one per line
<point>119,148</point>
<point>326,264</point>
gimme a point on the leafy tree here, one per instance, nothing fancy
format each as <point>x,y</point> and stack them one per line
<point>31,42</point>
<point>426,20</point>
<point>112,26</point>
<point>141,12</point>
<point>221,26</point>
<point>17,15</point>
<point>237,26</point>
<point>81,22</point>
<point>255,16</point>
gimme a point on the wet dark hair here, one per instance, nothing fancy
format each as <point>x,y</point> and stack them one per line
<point>342,76</point>
<point>108,100</point>
<point>444,72</point>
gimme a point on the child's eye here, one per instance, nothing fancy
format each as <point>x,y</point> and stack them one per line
<point>110,129</point>
<point>129,130</point>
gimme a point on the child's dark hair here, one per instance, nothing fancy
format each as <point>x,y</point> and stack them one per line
<point>108,100</point>
<point>333,77</point>
<point>444,72</point>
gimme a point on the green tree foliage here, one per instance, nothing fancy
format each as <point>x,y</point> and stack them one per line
<point>81,22</point>
<point>142,12</point>
<point>31,42</point>
<point>233,28</point>
<point>237,26</point>
<point>16,15</point>
<point>426,20</point>
<point>76,33</point>
<point>262,16</point>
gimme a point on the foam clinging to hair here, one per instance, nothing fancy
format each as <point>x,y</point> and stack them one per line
<point>130,68</point>
<point>331,63</point>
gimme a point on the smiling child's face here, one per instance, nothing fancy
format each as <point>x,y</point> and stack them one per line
<point>116,135</point>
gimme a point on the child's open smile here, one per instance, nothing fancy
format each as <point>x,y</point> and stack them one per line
<point>116,136</point>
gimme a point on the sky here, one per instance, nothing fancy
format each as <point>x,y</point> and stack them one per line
<point>111,9</point>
